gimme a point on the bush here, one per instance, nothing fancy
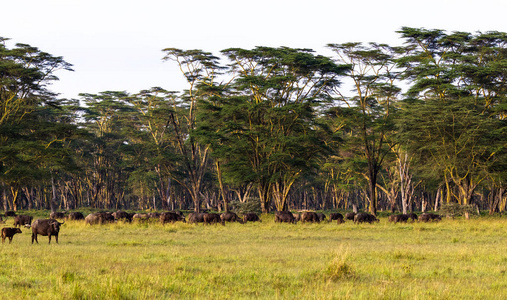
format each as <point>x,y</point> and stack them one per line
<point>455,209</point>
<point>251,205</point>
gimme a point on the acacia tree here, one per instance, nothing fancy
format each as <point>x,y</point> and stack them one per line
<point>269,116</point>
<point>25,142</point>
<point>451,118</point>
<point>152,145</point>
<point>369,110</point>
<point>104,118</point>
<point>200,70</point>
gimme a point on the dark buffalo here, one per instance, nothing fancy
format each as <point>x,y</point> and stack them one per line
<point>427,217</point>
<point>398,218</point>
<point>22,220</point>
<point>196,217</point>
<point>336,216</point>
<point>56,215</point>
<point>108,217</point>
<point>350,216</point>
<point>365,217</point>
<point>284,217</point>
<point>178,212</point>
<point>154,215</point>
<point>122,215</point>
<point>45,227</point>
<point>412,217</point>
<point>230,217</point>
<point>8,232</point>
<point>75,216</point>
<point>310,216</point>
<point>10,213</point>
<point>212,218</point>
<point>321,216</point>
<point>251,217</point>
<point>170,217</point>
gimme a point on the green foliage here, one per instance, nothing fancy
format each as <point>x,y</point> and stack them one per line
<point>455,209</point>
<point>272,121</point>
<point>251,205</point>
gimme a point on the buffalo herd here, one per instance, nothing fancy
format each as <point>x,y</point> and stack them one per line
<point>51,227</point>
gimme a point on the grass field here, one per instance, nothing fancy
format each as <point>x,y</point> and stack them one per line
<point>453,259</point>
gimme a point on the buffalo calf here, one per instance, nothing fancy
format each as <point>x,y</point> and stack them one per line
<point>9,233</point>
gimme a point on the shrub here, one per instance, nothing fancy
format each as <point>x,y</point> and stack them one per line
<point>250,205</point>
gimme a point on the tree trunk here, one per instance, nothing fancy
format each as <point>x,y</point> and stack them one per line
<point>221,186</point>
<point>4,199</point>
<point>264,195</point>
<point>52,202</point>
<point>438,197</point>
<point>372,185</point>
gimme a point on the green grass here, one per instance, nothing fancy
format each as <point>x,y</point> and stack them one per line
<point>453,259</point>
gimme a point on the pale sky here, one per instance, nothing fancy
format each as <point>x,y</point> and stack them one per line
<point>115,45</point>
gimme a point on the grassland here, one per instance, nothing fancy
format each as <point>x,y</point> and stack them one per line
<point>453,259</point>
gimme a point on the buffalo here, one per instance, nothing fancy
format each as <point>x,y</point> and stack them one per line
<point>75,216</point>
<point>251,217</point>
<point>426,217</point>
<point>398,218</point>
<point>350,216</point>
<point>336,216</point>
<point>108,217</point>
<point>141,217</point>
<point>10,213</point>
<point>154,215</point>
<point>196,217</point>
<point>99,218</point>
<point>8,232</point>
<point>230,217</point>
<point>321,216</point>
<point>170,217</point>
<point>297,217</point>
<point>122,215</point>
<point>22,220</point>
<point>1,220</point>
<point>310,216</point>
<point>365,217</point>
<point>412,216</point>
<point>45,227</point>
<point>57,215</point>
<point>212,218</point>
<point>284,217</point>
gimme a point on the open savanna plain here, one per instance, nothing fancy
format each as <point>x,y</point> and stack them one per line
<point>452,259</point>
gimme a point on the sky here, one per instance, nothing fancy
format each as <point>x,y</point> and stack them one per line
<point>116,45</point>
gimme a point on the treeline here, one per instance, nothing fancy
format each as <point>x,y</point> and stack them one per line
<point>374,126</point>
